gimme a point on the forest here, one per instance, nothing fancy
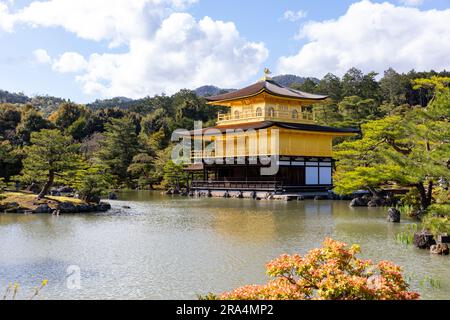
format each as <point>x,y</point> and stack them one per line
<point>124,143</point>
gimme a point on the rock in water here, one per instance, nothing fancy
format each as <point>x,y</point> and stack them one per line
<point>424,240</point>
<point>358,202</point>
<point>441,249</point>
<point>43,208</point>
<point>102,207</point>
<point>394,215</point>
<point>444,239</point>
<point>112,196</point>
<point>376,202</point>
<point>67,207</point>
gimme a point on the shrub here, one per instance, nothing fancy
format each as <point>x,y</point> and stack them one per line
<point>437,220</point>
<point>329,273</point>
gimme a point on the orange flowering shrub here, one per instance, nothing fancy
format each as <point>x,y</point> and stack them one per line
<point>330,273</point>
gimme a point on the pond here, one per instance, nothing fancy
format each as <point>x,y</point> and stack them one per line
<point>175,248</point>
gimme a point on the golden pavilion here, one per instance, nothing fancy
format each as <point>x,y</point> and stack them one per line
<point>266,123</point>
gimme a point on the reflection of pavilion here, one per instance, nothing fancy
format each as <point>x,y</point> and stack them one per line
<point>266,221</point>
<point>259,115</point>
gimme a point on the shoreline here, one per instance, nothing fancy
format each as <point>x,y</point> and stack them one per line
<point>27,203</point>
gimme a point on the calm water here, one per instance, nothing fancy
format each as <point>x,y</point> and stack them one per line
<point>175,248</point>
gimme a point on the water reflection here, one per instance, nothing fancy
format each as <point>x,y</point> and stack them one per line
<point>175,248</point>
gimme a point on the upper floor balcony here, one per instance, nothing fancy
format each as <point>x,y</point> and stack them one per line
<point>266,115</point>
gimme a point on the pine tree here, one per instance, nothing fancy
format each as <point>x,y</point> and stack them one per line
<point>49,158</point>
<point>119,148</point>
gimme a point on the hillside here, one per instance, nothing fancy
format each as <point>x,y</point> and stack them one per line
<point>48,104</point>
<point>288,80</point>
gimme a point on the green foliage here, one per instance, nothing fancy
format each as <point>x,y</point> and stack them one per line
<point>355,83</point>
<point>437,225</point>
<point>437,220</point>
<point>78,129</point>
<point>356,99</point>
<point>309,85</point>
<point>67,114</point>
<point>430,282</point>
<point>10,117</point>
<point>174,175</point>
<point>91,181</point>
<point>8,159</point>
<point>407,210</point>
<point>406,237</point>
<point>32,121</point>
<point>356,110</point>
<point>49,158</point>
<point>405,151</point>
<point>119,148</point>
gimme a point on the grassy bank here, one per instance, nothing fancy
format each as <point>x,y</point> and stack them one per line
<point>28,201</point>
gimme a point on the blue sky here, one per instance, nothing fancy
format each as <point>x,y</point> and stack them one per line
<point>94,51</point>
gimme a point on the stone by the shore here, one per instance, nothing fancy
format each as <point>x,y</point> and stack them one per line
<point>11,207</point>
<point>376,202</point>
<point>102,207</point>
<point>444,239</point>
<point>424,240</point>
<point>67,207</point>
<point>43,208</point>
<point>441,249</point>
<point>359,202</point>
<point>394,215</point>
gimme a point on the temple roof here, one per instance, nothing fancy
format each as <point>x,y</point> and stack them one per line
<point>269,124</point>
<point>270,87</point>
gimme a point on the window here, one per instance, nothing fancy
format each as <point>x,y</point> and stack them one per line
<point>294,114</point>
<point>259,112</point>
<point>237,115</point>
<point>271,112</point>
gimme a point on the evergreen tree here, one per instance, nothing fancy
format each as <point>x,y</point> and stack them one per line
<point>50,157</point>
<point>411,151</point>
<point>32,121</point>
<point>119,148</point>
<point>331,86</point>
<point>67,114</point>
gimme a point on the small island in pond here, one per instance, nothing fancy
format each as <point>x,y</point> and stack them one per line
<point>27,203</point>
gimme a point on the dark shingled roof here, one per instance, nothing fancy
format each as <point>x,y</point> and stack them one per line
<point>285,125</point>
<point>268,86</point>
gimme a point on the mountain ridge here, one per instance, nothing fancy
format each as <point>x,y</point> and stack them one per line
<point>48,104</point>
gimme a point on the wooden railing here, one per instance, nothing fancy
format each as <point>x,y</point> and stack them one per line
<point>300,117</point>
<point>238,185</point>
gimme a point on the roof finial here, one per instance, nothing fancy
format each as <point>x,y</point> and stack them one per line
<point>267,74</point>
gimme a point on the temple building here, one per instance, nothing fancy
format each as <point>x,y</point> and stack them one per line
<point>267,126</point>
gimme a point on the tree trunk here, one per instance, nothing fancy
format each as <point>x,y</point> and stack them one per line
<point>48,185</point>
<point>430,193</point>
<point>374,192</point>
<point>425,197</point>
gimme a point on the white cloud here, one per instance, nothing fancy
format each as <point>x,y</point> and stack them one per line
<point>6,19</point>
<point>294,15</point>
<point>413,3</point>
<point>183,53</point>
<point>112,20</point>
<point>41,56</point>
<point>373,36</point>
<point>70,62</point>
<point>163,49</point>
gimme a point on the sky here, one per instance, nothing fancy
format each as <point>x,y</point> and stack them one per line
<point>93,49</point>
